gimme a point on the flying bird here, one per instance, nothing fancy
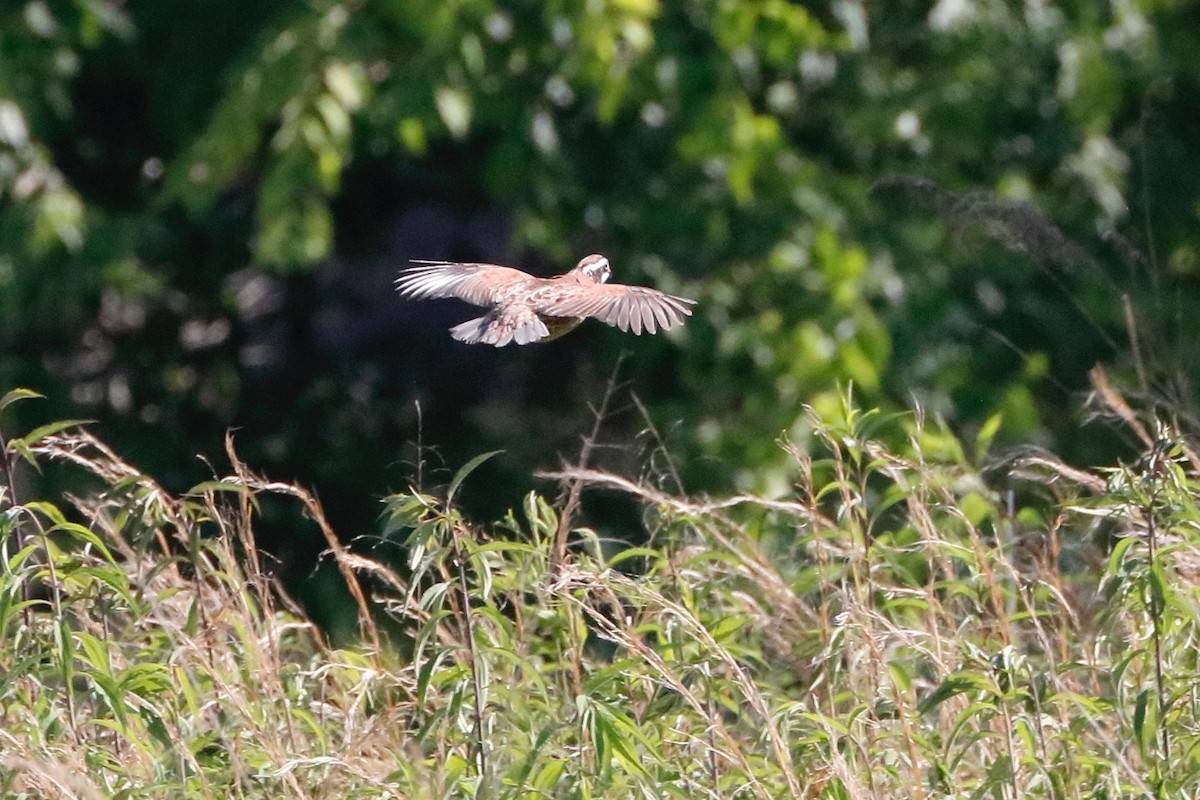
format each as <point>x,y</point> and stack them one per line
<point>524,308</point>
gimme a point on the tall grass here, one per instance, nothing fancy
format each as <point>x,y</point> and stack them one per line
<point>904,625</point>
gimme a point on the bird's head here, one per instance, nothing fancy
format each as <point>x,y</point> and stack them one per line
<point>595,267</point>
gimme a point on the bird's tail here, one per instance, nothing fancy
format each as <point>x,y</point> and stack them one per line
<point>499,328</point>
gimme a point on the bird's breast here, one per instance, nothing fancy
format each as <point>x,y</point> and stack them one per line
<point>559,326</point>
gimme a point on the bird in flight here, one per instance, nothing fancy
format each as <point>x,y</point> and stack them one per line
<point>524,308</point>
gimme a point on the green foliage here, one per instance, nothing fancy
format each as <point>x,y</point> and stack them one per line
<point>898,627</point>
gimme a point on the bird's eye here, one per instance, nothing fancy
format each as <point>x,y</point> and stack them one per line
<point>598,271</point>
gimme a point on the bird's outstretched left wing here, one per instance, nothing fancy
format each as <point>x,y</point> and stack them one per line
<point>630,308</point>
<point>478,284</point>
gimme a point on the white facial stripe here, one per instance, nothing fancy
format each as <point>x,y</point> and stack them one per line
<point>599,270</point>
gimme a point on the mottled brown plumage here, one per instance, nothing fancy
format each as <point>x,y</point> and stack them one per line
<point>525,308</point>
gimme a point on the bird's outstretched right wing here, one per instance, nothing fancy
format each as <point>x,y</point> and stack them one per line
<point>478,284</point>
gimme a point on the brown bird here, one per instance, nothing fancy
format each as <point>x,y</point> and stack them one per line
<point>525,308</point>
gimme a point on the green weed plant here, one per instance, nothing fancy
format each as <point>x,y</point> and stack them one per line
<point>912,621</point>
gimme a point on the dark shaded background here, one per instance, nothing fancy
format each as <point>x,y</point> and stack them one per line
<point>203,205</point>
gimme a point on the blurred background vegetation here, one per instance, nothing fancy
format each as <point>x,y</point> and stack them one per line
<point>961,205</point>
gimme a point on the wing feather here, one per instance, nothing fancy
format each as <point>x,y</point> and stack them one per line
<point>648,319</point>
<point>623,321</point>
<point>624,307</point>
<point>478,284</point>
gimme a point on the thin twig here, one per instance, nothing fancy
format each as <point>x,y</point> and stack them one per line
<point>420,447</point>
<point>1147,214</point>
<point>460,558</point>
<point>257,578</point>
<point>1117,404</point>
<point>1157,472</point>
<point>649,494</point>
<point>1135,343</point>
<point>571,506</point>
<point>659,443</point>
<point>366,621</point>
<point>18,529</point>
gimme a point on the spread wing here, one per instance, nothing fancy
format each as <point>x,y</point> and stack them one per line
<point>627,307</point>
<point>478,284</point>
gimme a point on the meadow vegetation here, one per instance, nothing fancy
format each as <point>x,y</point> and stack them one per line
<point>963,579</point>
<point>919,617</point>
